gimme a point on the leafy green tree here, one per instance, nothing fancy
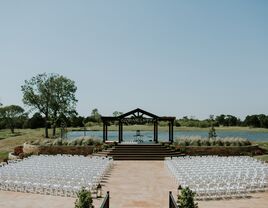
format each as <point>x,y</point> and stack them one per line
<point>220,120</point>
<point>51,95</point>
<point>252,121</point>
<point>212,133</point>
<point>84,199</point>
<point>177,123</point>
<point>77,121</point>
<point>63,100</point>
<point>117,113</point>
<point>11,114</point>
<point>95,115</point>
<point>231,120</point>
<point>186,199</point>
<point>37,121</point>
<point>263,120</point>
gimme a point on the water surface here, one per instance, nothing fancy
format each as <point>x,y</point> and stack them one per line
<point>163,135</point>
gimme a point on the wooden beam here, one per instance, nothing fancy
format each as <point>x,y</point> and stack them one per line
<point>106,132</point>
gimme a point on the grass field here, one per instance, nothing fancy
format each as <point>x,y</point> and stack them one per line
<point>3,155</point>
<point>262,157</point>
<point>9,141</point>
<point>263,145</point>
<point>6,134</point>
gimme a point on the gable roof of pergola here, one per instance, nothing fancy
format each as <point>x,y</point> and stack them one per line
<point>139,111</point>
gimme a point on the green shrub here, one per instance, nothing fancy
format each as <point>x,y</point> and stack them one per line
<point>199,141</point>
<point>219,142</point>
<point>88,142</point>
<point>90,124</point>
<point>79,141</point>
<point>172,146</point>
<point>57,142</point>
<point>84,199</point>
<point>186,199</point>
<point>166,145</point>
<point>72,143</point>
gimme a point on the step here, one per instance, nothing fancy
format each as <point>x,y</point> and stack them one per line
<point>138,146</point>
<point>149,152</point>
<point>138,158</point>
<point>141,152</point>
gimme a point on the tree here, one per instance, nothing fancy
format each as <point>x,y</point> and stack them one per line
<point>252,121</point>
<point>186,199</point>
<point>95,115</point>
<point>221,120</point>
<point>37,121</point>
<point>64,101</point>
<point>263,120</point>
<point>212,132</point>
<point>117,113</point>
<point>84,199</point>
<point>51,95</point>
<point>77,121</point>
<point>11,114</point>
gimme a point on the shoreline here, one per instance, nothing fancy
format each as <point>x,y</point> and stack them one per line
<point>165,128</point>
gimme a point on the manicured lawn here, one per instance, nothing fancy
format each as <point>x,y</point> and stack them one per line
<point>3,155</point>
<point>7,133</point>
<point>262,157</point>
<point>263,145</point>
<point>21,135</point>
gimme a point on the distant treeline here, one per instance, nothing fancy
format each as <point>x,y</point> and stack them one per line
<point>255,121</point>
<point>38,121</point>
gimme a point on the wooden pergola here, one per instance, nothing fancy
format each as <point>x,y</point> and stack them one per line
<point>137,116</point>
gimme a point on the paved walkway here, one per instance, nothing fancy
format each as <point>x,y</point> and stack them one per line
<point>139,184</point>
<point>24,200</point>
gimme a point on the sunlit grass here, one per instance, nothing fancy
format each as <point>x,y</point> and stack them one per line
<point>263,145</point>
<point>3,155</point>
<point>22,135</point>
<point>7,133</point>
<point>262,157</point>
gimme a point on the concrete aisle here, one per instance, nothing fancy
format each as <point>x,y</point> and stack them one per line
<point>139,184</point>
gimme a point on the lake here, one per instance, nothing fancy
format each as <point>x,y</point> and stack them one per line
<point>163,135</point>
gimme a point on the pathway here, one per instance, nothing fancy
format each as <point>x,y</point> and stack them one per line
<point>139,184</point>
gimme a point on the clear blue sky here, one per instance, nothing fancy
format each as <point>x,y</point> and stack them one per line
<point>173,57</point>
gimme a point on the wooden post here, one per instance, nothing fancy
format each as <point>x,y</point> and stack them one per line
<point>169,131</point>
<point>120,133</point>
<point>172,131</point>
<point>103,137</point>
<point>119,130</point>
<point>156,132</point>
<point>108,199</point>
<point>106,131</point>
